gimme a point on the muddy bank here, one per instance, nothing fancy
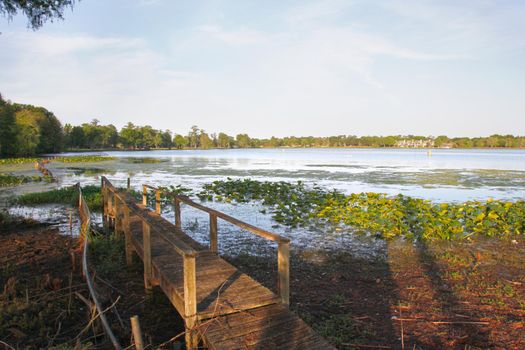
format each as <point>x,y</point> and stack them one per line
<point>462,295</point>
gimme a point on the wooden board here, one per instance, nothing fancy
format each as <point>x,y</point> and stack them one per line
<point>268,327</point>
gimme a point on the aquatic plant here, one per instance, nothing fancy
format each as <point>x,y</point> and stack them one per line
<point>66,195</point>
<point>145,160</point>
<point>7,180</point>
<point>21,160</point>
<point>166,197</point>
<point>295,204</point>
<point>83,159</point>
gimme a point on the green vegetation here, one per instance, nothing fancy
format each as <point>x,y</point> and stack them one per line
<point>387,217</point>
<point>15,180</point>
<point>66,159</point>
<point>37,12</point>
<point>29,130</point>
<point>66,195</point>
<point>21,160</point>
<point>9,222</point>
<point>82,159</point>
<point>145,160</point>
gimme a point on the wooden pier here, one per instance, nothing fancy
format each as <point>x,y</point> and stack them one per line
<point>222,307</point>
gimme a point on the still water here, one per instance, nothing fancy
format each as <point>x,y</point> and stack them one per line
<point>443,175</point>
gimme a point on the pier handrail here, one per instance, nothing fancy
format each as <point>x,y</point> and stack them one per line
<point>180,247</point>
<point>248,227</point>
<point>283,247</point>
<point>85,229</point>
<point>124,202</point>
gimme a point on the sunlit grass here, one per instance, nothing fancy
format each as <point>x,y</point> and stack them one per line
<point>7,180</point>
<point>66,195</point>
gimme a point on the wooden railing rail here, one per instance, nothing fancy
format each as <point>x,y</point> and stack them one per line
<point>126,204</point>
<point>188,254</point>
<point>157,196</point>
<point>283,249</point>
<point>109,192</point>
<point>85,230</point>
<point>40,167</point>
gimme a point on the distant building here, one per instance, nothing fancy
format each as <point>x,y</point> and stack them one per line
<point>411,143</point>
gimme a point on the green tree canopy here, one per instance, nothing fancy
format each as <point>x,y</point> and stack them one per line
<point>37,11</point>
<point>7,129</point>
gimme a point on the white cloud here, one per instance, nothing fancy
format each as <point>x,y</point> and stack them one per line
<point>311,11</point>
<point>312,75</point>
<point>237,37</point>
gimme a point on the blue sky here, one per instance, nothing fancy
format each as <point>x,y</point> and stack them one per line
<point>320,68</point>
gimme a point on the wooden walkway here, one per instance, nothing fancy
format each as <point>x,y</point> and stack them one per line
<point>222,307</point>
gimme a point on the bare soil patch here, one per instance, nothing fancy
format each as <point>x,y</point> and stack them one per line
<point>443,295</point>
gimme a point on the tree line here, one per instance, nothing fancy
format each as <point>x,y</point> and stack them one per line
<point>28,130</point>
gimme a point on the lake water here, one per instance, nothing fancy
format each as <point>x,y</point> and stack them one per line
<point>446,175</point>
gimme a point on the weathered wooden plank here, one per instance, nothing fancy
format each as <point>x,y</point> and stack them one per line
<point>127,236</point>
<point>283,268</point>
<point>147,254</point>
<point>157,202</point>
<point>176,208</point>
<point>213,233</point>
<point>226,331</point>
<point>190,302</point>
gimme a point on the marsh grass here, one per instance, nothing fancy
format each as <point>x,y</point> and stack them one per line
<point>7,180</point>
<point>82,159</point>
<point>66,195</point>
<point>22,160</point>
<point>145,160</point>
<point>9,222</point>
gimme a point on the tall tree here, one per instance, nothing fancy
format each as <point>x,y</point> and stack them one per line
<point>128,135</point>
<point>223,141</point>
<point>243,141</point>
<point>7,129</point>
<point>205,141</point>
<point>193,136</point>
<point>180,141</point>
<point>37,11</point>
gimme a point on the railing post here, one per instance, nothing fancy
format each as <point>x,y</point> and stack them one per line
<point>118,219</point>
<point>213,233</point>
<point>176,208</point>
<point>283,267</point>
<point>146,240</point>
<point>104,191</point>
<point>144,195</point>
<point>111,197</point>
<point>129,184</point>
<point>137,333</point>
<point>190,302</point>
<point>157,201</point>
<point>127,237</point>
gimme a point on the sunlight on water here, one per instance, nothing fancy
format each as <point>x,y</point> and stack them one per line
<point>448,175</point>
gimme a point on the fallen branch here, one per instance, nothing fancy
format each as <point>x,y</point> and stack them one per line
<point>441,322</point>
<point>367,346</point>
<point>7,345</point>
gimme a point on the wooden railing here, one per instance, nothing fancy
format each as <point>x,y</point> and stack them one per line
<point>283,243</point>
<point>120,207</point>
<point>85,232</point>
<point>39,165</point>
